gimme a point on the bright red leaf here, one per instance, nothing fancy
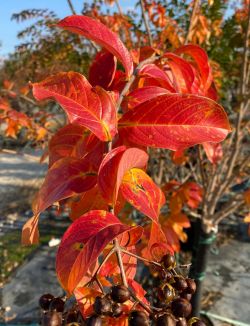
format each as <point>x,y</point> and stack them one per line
<point>102,69</point>
<point>113,167</point>
<point>90,107</point>
<point>201,59</point>
<point>141,95</point>
<point>102,35</point>
<point>175,121</point>
<point>84,241</point>
<point>183,75</point>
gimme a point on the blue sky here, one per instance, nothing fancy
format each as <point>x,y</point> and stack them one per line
<point>9,29</point>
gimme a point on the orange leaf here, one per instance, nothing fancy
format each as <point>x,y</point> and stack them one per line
<point>84,241</point>
<point>30,233</point>
<point>142,193</point>
<point>247,196</point>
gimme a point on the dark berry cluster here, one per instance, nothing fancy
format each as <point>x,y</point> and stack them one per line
<point>109,305</point>
<point>54,314</point>
<point>174,293</point>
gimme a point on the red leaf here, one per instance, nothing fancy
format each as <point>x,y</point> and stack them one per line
<point>64,179</point>
<point>138,290</point>
<point>179,157</point>
<point>102,69</point>
<point>84,241</point>
<point>157,245</point>
<point>142,193</point>
<point>102,35</point>
<point>141,95</point>
<point>113,167</point>
<point>92,200</point>
<point>175,122</point>
<point>182,73</point>
<point>201,59</point>
<point>91,108</point>
<point>152,71</point>
<point>213,151</point>
<point>64,141</point>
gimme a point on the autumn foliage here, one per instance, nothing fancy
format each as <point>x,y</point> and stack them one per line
<point>99,159</point>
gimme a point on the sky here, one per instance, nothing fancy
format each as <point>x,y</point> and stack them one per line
<point>9,28</point>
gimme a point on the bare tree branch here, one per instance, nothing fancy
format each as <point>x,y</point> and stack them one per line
<point>192,19</point>
<point>71,7</point>
<point>145,19</point>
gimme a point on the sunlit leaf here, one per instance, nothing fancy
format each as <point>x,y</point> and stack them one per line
<point>90,107</point>
<point>175,121</point>
<point>102,35</point>
<point>142,193</point>
<point>113,167</point>
<point>84,241</point>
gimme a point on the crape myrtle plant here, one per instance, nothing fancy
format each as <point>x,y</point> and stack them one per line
<point>99,160</point>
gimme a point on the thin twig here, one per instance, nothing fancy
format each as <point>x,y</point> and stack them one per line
<point>192,19</point>
<point>71,7</point>
<point>230,208</point>
<point>237,138</point>
<point>120,262</point>
<point>146,23</point>
<point>119,7</point>
<point>132,79</point>
<point>141,258</point>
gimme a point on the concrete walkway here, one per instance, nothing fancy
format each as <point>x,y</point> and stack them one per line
<point>228,282</point>
<point>36,277</point>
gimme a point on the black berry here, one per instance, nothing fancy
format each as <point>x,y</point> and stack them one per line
<point>138,318</point>
<point>166,320</point>
<point>181,307</point>
<point>191,286</point>
<point>102,306</point>
<point>52,318</point>
<point>186,295</point>
<point>165,275</point>
<point>57,304</point>
<point>120,293</point>
<point>94,321</point>
<point>71,317</point>
<point>179,283</point>
<point>168,293</point>
<point>168,261</point>
<point>116,310</point>
<point>45,300</point>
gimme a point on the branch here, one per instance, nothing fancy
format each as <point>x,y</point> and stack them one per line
<point>230,161</point>
<point>118,251</point>
<point>132,78</point>
<point>71,7</point>
<point>119,7</point>
<point>192,19</point>
<point>228,209</point>
<point>143,11</point>
<point>141,258</point>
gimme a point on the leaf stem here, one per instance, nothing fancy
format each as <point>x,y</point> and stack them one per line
<point>141,258</point>
<point>118,251</point>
